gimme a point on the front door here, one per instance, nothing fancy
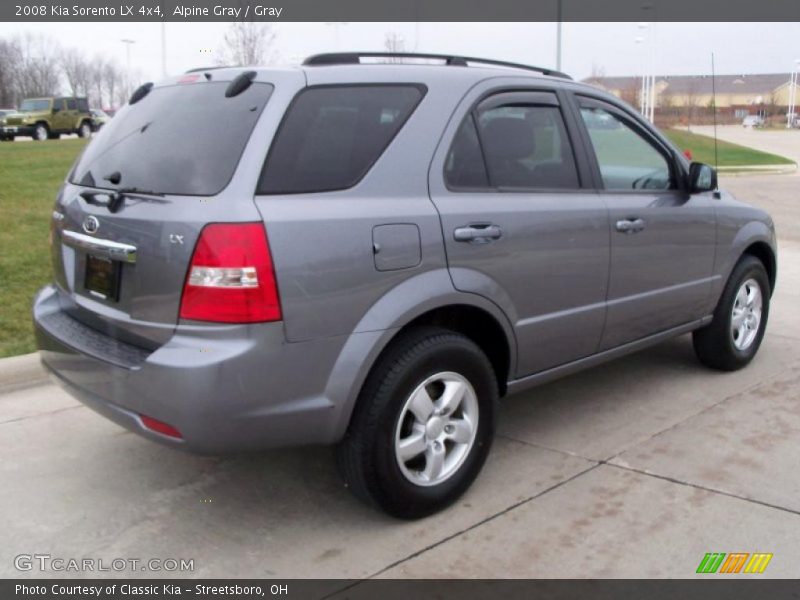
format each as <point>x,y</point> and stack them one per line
<point>523,225</point>
<point>662,237</point>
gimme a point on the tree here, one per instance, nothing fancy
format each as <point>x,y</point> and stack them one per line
<point>248,43</point>
<point>77,71</point>
<point>8,58</point>
<point>34,66</point>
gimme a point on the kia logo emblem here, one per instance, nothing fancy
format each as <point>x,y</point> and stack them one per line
<point>91,224</point>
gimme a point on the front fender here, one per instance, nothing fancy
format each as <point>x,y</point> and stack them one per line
<point>729,253</point>
<point>395,309</point>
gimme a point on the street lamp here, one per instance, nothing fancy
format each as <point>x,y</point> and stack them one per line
<point>645,91</point>
<point>793,81</point>
<point>128,43</point>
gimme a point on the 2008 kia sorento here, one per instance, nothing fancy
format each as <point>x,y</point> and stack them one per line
<point>371,254</point>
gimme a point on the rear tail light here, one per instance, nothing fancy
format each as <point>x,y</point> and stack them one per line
<point>230,278</point>
<point>160,427</point>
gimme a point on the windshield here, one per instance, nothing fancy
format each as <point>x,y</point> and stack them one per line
<point>181,139</point>
<point>34,105</point>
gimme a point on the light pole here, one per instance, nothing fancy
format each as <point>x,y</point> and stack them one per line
<point>163,49</point>
<point>128,43</point>
<point>646,81</point>
<point>652,59</point>
<point>790,113</point>
<point>558,35</point>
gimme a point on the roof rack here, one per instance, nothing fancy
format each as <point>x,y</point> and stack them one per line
<point>201,69</point>
<point>354,58</point>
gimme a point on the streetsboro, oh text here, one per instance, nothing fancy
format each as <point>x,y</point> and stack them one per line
<point>226,11</point>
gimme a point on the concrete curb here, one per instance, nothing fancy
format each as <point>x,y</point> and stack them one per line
<point>758,170</point>
<point>21,370</point>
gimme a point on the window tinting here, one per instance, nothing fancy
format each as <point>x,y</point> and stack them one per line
<point>331,136</point>
<point>83,105</point>
<point>627,161</point>
<point>72,104</point>
<point>527,147</point>
<point>464,167</point>
<point>179,139</point>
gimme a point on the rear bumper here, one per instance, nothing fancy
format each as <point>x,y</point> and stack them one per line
<point>227,389</point>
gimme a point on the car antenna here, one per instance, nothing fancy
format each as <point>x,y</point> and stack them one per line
<point>714,113</point>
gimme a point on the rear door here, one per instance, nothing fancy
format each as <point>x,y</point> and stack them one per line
<point>122,271</point>
<point>60,120</point>
<point>662,237</point>
<point>522,224</point>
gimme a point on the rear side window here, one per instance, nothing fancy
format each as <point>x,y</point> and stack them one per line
<point>527,147</point>
<point>179,139</point>
<point>332,135</point>
<point>83,105</point>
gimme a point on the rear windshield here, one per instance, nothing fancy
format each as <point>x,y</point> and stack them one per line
<point>181,139</point>
<point>332,135</point>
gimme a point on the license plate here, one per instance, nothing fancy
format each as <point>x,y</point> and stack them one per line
<point>102,277</point>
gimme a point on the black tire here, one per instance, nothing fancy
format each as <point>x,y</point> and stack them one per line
<point>366,456</point>
<point>714,343</point>
<point>38,136</point>
<point>85,129</point>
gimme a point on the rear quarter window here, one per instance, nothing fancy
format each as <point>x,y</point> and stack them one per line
<point>332,135</point>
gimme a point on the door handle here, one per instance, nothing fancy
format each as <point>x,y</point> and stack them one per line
<point>630,225</point>
<point>478,234</point>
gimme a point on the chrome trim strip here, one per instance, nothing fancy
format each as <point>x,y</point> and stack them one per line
<point>106,248</point>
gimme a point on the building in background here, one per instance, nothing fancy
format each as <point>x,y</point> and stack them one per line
<point>688,99</point>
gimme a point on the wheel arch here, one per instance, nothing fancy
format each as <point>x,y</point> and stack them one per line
<point>763,252</point>
<point>428,299</point>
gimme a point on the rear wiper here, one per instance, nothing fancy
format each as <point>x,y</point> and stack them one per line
<point>113,200</point>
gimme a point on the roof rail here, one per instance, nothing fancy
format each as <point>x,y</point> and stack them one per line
<point>354,58</point>
<point>201,69</point>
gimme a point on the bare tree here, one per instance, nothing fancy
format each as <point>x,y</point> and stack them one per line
<point>394,42</point>
<point>77,71</point>
<point>248,43</point>
<point>34,67</point>
<point>113,82</point>
<point>691,100</point>
<point>8,58</point>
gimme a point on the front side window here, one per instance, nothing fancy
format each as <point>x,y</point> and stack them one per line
<point>627,160</point>
<point>332,135</point>
<point>72,104</point>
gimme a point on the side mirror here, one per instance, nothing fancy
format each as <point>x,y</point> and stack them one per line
<point>702,178</point>
<point>56,109</point>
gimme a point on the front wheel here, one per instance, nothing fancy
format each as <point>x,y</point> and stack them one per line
<point>733,337</point>
<point>40,132</point>
<point>423,425</point>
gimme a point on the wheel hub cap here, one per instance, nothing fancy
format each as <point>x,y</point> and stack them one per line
<point>436,429</point>
<point>746,314</point>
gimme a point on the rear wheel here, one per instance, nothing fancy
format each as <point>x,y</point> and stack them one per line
<point>40,132</point>
<point>423,425</point>
<point>732,339</point>
<point>85,130</point>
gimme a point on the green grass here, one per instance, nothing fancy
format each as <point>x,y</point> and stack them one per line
<point>730,155</point>
<point>30,175</point>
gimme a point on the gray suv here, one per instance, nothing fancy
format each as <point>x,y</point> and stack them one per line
<point>370,253</point>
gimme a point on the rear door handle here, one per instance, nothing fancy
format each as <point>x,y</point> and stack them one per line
<point>478,233</point>
<point>630,225</point>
